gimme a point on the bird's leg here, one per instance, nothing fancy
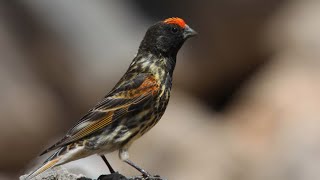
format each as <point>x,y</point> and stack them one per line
<point>144,173</point>
<point>107,163</point>
<point>124,156</point>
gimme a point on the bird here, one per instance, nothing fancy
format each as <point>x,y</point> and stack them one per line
<point>135,104</point>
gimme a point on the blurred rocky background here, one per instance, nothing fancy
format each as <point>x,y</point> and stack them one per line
<point>246,98</point>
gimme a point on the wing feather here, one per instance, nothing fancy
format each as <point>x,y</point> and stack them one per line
<point>133,90</point>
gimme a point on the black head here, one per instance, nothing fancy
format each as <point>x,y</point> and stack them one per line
<point>166,37</point>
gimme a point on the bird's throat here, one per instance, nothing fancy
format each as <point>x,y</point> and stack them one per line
<point>154,64</point>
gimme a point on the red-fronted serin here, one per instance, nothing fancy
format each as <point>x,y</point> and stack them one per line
<point>133,106</point>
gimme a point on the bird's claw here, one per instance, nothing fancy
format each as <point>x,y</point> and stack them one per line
<point>146,176</point>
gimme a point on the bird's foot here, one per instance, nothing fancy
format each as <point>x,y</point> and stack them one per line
<point>145,174</point>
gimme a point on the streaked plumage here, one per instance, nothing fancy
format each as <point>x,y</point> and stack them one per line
<point>133,106</point>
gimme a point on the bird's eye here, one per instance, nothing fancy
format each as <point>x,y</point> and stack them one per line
<point>174,30</point>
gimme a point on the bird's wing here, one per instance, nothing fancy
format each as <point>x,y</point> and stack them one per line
<point>130,90</point>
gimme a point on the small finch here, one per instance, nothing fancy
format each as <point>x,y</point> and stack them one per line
<point>133,106</point>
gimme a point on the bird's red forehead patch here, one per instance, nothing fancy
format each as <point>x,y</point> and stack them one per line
<point>175,20</point>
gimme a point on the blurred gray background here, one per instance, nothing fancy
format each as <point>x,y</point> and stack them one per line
<point>245,102</point>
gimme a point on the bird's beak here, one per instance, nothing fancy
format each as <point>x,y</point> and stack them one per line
<point>188,32</point>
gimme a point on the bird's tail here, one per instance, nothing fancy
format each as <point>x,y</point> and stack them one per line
<point>55,159</point>
<point>52,161</point>
<point>63,155</point>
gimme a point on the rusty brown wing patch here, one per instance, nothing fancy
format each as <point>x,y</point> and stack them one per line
<point>149,86</point>
<point>98,118</point>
